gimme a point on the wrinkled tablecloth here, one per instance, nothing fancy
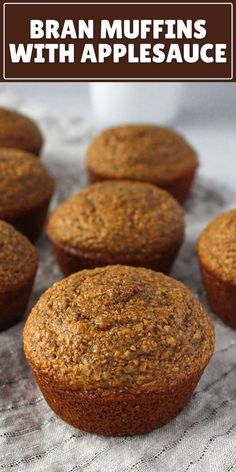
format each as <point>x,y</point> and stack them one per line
<point>32,438</point>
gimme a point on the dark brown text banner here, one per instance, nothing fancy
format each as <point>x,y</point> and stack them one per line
<point>117,41</point>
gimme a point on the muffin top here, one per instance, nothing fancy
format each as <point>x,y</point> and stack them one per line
<point>118,218</point>
<point>140,152</point>
<point>18,258</point>
<point>217,247</point>
<point>118,329</point>
<point>18,131</point>
<point>24,182</point>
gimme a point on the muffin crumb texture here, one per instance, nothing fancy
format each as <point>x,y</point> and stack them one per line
<point>112,219</point>
<point>18,259</point>
<point>217,247</point>
<point>140,152</point>
<point>118,329</point>
<point>19,131</point>
<point>24,183</point>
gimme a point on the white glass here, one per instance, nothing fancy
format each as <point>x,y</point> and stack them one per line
<point>117,103</point>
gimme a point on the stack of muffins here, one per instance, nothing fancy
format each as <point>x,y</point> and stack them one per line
<point>117,347</point>
<point>26,188</point>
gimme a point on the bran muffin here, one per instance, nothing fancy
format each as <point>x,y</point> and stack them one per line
<point>117,222</point>
<point>18,266</point>
<point>19,131</point>
<point>26,189</point>
<point>145,153</point>
<point>216,250</point>
<point>118,350</point>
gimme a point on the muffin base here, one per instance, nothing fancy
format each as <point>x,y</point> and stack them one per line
<point>70,260</point>
<point>31,222</point>
<point>116,414</point>
<point>13,305</point>
<point>179,188</point>
<point>221,297</point>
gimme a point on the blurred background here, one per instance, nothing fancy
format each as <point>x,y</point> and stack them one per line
<point>69,114</point>
<point>204,112</point>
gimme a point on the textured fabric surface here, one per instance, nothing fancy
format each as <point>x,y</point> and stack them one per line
<point>32,438</point>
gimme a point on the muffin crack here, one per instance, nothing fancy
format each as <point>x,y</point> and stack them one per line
<point>131,333</point>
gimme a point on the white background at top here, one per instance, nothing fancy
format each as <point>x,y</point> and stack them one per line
<point>207,117</point>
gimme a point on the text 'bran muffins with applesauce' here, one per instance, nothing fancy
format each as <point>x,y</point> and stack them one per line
<point>117,222</point>
<point>118,350</point>
<point>145,153</point>
<point>217,257</point>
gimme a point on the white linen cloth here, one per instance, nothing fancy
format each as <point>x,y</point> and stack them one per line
<point>203,437</point>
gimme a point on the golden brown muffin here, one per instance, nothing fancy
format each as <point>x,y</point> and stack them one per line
<point>19,131</point>
<point>217,258</point>
<point>117,222</point>
<point>118,350</point>
<point>145,153</point>
<point>18,266</point>
<point>26,189</point>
